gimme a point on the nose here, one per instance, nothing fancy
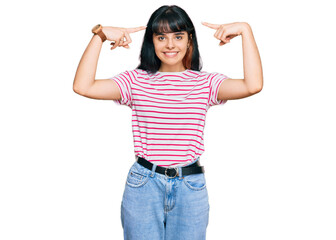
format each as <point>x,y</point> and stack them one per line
<point>170,43</point>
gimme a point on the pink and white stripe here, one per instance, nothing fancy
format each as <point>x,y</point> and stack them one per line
<point>169,112</point>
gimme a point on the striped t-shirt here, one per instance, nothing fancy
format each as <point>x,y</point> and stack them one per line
<point>168,112</point>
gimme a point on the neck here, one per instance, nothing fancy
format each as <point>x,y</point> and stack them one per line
<point>164,68</point>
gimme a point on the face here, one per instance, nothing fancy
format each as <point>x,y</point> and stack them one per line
<point>171,48</point>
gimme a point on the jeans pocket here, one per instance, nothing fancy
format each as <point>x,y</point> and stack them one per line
<point>136,177</point>
<point>195,182</point>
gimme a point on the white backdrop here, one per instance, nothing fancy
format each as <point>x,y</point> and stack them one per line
<point>269,158</point>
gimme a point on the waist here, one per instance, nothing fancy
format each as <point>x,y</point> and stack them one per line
<point>193,168</point>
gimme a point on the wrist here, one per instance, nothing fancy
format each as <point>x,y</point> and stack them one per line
<point>98,30</point>
<point>245,27</point>
<point>95,38</point>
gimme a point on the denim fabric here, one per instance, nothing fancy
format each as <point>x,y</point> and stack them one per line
<point>156,207</point>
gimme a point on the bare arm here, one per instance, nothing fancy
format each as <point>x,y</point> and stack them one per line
<point>86,70</point>
<point>253,76</point>
<point>85,83</point>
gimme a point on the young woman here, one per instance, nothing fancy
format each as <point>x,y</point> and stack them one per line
<point>165,193</point>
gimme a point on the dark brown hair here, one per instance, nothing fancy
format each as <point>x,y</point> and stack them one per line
<point>169,19</point>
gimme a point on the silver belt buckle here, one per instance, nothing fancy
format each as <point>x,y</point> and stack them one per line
<point>176,170</point>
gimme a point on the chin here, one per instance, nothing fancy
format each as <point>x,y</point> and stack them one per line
<point>171,60</point>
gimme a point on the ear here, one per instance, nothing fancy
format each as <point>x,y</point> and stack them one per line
<point>190,39</point>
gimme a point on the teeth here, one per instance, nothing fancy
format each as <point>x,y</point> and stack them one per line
<point>172,53</point>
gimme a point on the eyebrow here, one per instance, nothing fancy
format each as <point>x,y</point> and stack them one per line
<point>176,33</point>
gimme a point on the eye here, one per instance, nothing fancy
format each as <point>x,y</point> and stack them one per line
<point>179,37</point>
<point>160,38</point>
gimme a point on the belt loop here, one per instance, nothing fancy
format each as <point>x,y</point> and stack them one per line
<point>180,172</point>
<point>153,170</point>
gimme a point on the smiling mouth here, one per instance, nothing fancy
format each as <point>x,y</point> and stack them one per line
<point>170,54</point>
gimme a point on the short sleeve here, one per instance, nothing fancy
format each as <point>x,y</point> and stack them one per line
<point>125,82</point>
<point>215,80</point>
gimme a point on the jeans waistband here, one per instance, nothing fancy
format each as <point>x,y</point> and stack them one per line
<point>193,168</point>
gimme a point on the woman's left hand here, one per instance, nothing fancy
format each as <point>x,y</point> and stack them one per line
<point>225,32</point>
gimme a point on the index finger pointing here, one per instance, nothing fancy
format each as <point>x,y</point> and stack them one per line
<point>136,29</point>
<point>210,25</point>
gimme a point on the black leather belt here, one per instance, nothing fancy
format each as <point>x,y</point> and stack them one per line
<point>173,172</point>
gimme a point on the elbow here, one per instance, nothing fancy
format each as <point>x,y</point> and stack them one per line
<point>254,86</point>
<point>258,86</point>
<point>78,90</point>
<point>81,88</point>
<point>75,89</point>
<point>259,89</point>
<point>255,90</point>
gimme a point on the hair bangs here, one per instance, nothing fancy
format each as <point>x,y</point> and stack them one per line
<point>169,22</point>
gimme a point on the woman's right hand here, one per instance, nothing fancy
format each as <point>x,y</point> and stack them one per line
<point>117,35</point>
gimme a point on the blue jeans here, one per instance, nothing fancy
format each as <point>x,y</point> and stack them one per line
<point>156,207</point>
